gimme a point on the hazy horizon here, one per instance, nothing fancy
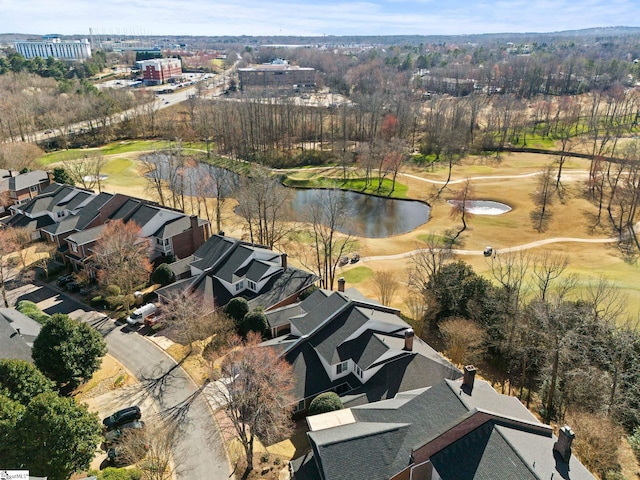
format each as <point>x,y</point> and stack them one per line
<point>317,18</point>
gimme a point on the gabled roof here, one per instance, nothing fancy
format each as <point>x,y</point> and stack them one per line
<point>31,224</point>
<point>87,236</point>
<point>80,220</point>
<point>211,251</point>
<point>474,435</point>
<point>230,260</point>
<point>337,328</point>
<point>16,345</point>
<point>173,227</point>
<point>28,179</point>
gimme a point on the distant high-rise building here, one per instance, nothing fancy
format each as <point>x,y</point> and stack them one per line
<point>56,48</point>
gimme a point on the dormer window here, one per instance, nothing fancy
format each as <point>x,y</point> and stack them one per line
<point>239,285</point>
<point>60,214</point>
<point>342,367</point>
<point>358,370</point>
<point>251,285</point>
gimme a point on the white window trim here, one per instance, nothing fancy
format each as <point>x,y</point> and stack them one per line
<point>342,367</point>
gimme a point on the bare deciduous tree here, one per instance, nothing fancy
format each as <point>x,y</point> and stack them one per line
<point>329,216</point>
<point>543,199</point>
<point>386,284</point>
<point>86,171</point>
<point>546,269</point>
<point>460,207</point>
<point>264,204</point>
<point>464,340</point>
<point>154,449</point>
<point>194,318</point>
<point>428,260</point>
<point>256,388</point>
<point>123,256</point>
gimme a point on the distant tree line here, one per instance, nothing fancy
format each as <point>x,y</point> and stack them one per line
<point>53,68</point>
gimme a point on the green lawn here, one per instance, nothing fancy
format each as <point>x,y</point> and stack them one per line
<point>357,274</point>
<point>314,180</point>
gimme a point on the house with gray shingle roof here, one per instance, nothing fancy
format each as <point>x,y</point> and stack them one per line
<point>454,430</point>
<point>74,218</point>
<point>54,204</point>
<point>225,267</point>
<point>17,333</point>
<point>17,188</point>
<point>346,343</point>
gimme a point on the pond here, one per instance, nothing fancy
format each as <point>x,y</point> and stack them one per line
<point>485,207</point>
<point>371,217</point>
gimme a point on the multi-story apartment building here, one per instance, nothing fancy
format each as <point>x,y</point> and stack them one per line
<point>56,48</point>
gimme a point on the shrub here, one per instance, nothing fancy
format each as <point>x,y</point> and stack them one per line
<point>112,473</point>
<point>97,302</point>
<point>325,402</point>
<point>115,301</point>
<point>255,321</point>
<point>113,290</point>
<point>237,308</point>
<point>32,311</point>
<point>163,275</point>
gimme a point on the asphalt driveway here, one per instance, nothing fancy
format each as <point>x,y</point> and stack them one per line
<point>200,449</point>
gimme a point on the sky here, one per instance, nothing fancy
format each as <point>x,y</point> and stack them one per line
<point>311,18</point>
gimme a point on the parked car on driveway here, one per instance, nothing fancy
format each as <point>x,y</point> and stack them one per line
<point>139,315</point>
<point>121,417</point>
<point>87,289</point>
<point>73,286</point>
<point>113,435</point>
<point>64,279</point>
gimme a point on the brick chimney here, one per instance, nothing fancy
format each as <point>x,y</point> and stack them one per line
<point>284,260</point>
<point>341,282</point>
<point>408,339</point>
<point>563,445</point>
<point>468,379</point>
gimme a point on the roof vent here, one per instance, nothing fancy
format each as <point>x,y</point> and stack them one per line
<point>408,339</point>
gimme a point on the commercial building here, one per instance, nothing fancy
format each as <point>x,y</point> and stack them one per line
<point>56,48</point>
<point>277,75</point>
<point>160,70</point>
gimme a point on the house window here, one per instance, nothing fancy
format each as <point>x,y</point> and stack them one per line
<point>159,241</point>
<point>252,285</point>
<point>60,214</point>
<point>74,247</point>
<point>166,242</point>
<point>239,286</point>
<point>34,188</point>
<point>299,406</point>
<point>358,370</point>
<point>342,367</point>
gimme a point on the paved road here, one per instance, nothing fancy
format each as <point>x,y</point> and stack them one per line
<point>200,445</point>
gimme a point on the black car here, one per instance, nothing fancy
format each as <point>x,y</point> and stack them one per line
<point>63,280</point>
<point>87,289</point>
<point>114,435</point>
<point>121,417</point>
<point>73,287</point>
